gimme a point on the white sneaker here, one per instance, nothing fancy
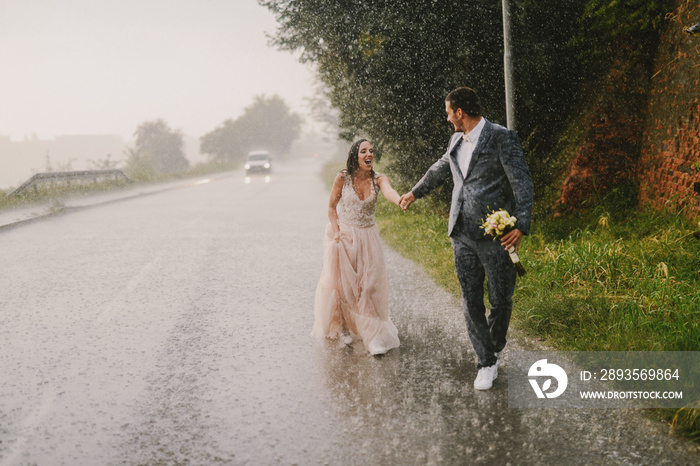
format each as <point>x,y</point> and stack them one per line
<point>485,377</point>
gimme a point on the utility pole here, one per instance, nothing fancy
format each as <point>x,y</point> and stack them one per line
<point>507,66</point>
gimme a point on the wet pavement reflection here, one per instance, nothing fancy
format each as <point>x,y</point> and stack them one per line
<point>417,405</point>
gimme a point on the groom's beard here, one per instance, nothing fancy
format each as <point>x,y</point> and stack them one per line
<point>459,127</point>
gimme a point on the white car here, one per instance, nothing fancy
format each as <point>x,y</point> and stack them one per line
<point>258,161</point>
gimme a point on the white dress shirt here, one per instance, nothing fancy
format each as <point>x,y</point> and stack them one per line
<point>466,148</point>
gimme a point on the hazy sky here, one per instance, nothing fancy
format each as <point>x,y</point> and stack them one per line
<point>105,66</point>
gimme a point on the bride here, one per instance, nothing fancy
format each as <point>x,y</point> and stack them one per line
<point>352,294</point>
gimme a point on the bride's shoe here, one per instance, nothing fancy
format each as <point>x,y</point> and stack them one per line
<point>346,338</point>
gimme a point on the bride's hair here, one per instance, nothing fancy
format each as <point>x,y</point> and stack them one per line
<point>352,164</point>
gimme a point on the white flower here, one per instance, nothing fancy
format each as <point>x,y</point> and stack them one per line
<point>498,223</point>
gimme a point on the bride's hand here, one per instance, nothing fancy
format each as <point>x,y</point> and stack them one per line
<point>336,237</point>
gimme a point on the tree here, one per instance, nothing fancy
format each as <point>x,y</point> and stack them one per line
<point>388,65</point>
<point>158,150</point>
<point>223,143</point>
<point>266,124</point>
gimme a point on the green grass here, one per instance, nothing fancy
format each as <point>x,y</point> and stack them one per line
<point>600,286</point>
<point>614,284</point>
<point>627,281</point>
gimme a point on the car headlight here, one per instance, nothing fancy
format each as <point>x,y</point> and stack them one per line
<point>247,166</point>
<point>267,165</point>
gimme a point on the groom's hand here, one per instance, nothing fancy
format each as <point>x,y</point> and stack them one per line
<point>406,200</point>
<point>512,239</point>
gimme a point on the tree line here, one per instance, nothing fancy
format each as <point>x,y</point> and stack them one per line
<point>266,124</point>
<point>388,64</point>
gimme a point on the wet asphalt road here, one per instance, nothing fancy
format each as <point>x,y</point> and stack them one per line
<point>174,329</point>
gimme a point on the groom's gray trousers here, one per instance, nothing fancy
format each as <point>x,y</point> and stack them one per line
<point>475,260</point>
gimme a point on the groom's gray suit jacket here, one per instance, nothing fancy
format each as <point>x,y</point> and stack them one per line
<point>497,178</point>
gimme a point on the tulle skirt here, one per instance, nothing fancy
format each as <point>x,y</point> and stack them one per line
<point>352,293</point>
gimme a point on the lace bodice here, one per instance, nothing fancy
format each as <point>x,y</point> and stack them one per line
<point>352,209</point>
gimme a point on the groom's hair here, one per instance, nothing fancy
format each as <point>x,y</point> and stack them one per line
<point>466,99</point>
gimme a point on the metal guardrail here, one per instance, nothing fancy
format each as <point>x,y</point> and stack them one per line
<point>68,177</point>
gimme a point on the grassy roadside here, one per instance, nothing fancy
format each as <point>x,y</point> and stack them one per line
<point>598,286</point>
<point>603,281</point>
<point>54,192</point>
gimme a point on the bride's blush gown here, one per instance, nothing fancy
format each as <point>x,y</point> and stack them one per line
<point>352,293</point>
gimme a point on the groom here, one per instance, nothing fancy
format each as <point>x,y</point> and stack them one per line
<point>489,171</point>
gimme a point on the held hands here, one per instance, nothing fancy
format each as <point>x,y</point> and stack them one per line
<point>406,200</point>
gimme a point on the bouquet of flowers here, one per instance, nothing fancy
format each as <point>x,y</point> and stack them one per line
<point>498,224</point>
